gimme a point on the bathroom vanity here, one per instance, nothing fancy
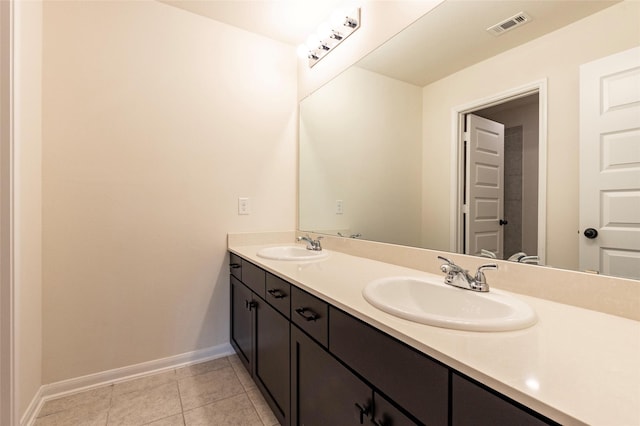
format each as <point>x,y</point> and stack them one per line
<point>321,354</point>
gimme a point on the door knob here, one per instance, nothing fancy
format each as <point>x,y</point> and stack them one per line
<point>503,222</point>
<point>590,233</point>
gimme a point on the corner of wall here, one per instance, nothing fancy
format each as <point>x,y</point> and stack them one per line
<point>27,190</point>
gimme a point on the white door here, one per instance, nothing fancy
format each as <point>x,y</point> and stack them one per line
<point>484,186</point>
<point>610,165</point>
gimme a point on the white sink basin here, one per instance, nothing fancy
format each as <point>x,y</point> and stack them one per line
<point>430,301</point>
<point>297,253</point>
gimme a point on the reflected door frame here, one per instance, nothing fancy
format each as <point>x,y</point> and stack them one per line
<point>458,114</point>
<point>8,399</point>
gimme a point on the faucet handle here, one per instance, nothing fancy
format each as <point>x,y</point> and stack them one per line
<point>450,267</point>
<point>446,260</point>
<point>480,278</point>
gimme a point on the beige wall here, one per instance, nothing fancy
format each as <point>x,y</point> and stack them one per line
<point>360,142</point>
<point>381,20</point>
<point>27,199</point>
<point>568,48</point>
<point>155,121</point>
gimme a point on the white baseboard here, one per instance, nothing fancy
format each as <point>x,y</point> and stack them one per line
<point>105,378</point>
<point>31,413</point>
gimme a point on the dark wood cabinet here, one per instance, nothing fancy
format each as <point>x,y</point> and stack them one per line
<point>408,377</point>
<point>271,368</point>
<point>324,391</point>
<point>385,413</point>
<point>260,336</point>
<point>317,365</point>
<point>310,314</point>
<point>242,302</point>
<point>278,294</point>
<point>473,405</point>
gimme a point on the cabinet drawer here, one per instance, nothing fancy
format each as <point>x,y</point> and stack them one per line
<point>235,265</point>
<point>310,314</point>
<point>474,406</point>
<point>253,277</point>
<point>278,294</point>
<point>411,379</point>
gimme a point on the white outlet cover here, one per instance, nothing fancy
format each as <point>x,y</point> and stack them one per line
<point>244,206</point>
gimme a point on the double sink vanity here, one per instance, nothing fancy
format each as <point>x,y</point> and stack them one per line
<point>331,338</point>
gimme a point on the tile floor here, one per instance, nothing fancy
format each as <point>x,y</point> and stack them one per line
<point>218,392</point>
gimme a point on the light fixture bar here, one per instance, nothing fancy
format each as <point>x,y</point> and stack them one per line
<point>345,28</point>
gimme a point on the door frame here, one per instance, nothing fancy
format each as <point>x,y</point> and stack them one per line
<point>7,242</point>
<point>457,173</point>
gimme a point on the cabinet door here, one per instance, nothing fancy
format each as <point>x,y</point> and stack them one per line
<point>323,392</point>
<point>271,367</point>
<point>474,406</point>
<point>409,378</point>
<point>242,303</point>
<point>386,414</point>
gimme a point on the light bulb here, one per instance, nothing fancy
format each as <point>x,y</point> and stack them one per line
<point>324,31</point>
<point>338,18</point>
<point>313,42</point>
<point>302,51</point>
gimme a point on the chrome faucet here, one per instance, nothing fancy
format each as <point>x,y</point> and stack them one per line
<point>458,277</point>
<point>358,235</point>
<point>311,243</point>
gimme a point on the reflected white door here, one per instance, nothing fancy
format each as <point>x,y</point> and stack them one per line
<point>484,186</point>
<point>610,165</point>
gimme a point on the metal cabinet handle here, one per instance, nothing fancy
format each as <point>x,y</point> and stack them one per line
<point>364,411</point>
<point>235,265</point>
<point>307,314</point>
<point>277,293</point>
<point>250,304</point>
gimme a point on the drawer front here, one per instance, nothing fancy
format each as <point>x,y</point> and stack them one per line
<point>253,277</point>
<point>411,379</point>
<point>278,294</point>
<point>235,265</point>
<point>310,314</point>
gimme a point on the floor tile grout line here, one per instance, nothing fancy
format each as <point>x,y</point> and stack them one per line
<point>110,405</point>
<point>250,386</point>
<point>246,392</point>
<point>184,421</point>
<point>256,409</point>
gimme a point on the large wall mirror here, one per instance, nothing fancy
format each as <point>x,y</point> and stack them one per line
<point>394,149</point>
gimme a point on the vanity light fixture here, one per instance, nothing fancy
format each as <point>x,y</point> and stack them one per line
<point>330,35</point>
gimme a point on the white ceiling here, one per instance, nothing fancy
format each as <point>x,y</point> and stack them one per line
<point>449,38</point>
<point>453,36</point>
<point>288,21</point>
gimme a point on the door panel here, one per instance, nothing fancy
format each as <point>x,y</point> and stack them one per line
<point>272,358</point>
<point>241,322</point>
<point>323,392</point>
<point>484,186</point>
<point>610,164</point>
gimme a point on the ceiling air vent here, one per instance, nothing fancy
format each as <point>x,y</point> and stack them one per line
<point>509,24</point>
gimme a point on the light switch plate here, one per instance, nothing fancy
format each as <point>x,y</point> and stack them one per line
<point>244,207</point>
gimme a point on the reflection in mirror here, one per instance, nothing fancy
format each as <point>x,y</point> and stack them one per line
<point>380,157</point>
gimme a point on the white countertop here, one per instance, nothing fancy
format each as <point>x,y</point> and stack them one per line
<point>574,366</point>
